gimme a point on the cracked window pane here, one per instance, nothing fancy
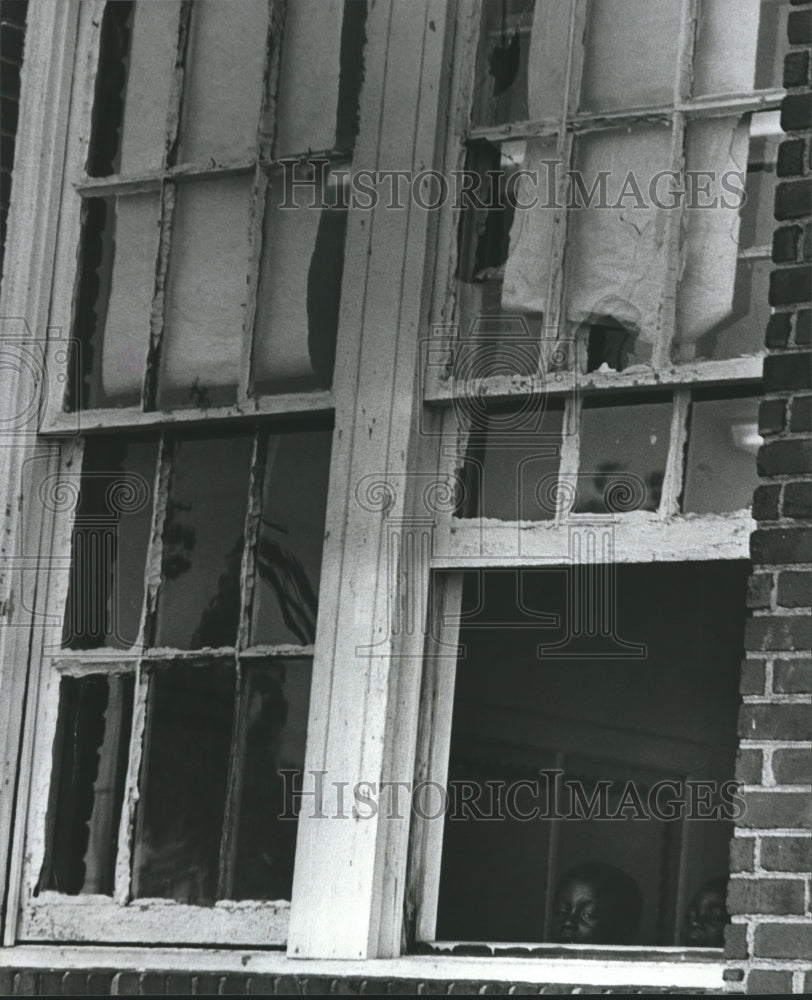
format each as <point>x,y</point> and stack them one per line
<point>205,301</point>
<point>223,88</point>
<point>720,472</point>
<point>114,301</point>
<point>184,781</point>
<point>291,537</point>
<point>203,537</point>
<point>511,466</point>
<point>299,292</point>
<point>109,547</point>
<point>624,449</point>
<point>616,29</point>
<point>276,698</point>
<point>87,784</point>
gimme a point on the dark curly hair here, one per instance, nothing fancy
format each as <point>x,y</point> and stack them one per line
<point>618,889</point>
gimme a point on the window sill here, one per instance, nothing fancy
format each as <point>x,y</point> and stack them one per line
<point>675,968</point>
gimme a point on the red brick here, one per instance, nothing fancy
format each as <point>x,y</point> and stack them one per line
<point>774,895</point>
<point>781,545</point>
<point>778,330</point>
<point>793,765</point>
<point>791,457</point>
<point>783,941</point>
<point>801,414</point>
<point>795,589</point>
<point>796,69</point>
<point>772,416</point>
<point>742,850</point>
<point>788,286</point>
<point>793,200</point>
<point>790,158</point>
<point>774,722</point>
<point>796,110</point>
<point>752,677</point>
<point>776,811</point>
<point>765,503</point>
<point>759,589</point>
<point>799,27</point>
<point>786,854</point>
<point>735,941</point>
<point>797,500</point>
<point>769,981</point>
<point>767,632</point>
<point>786,241</point>
<point>792,676</point>
<point>749,766</point>
<point>803,327</point>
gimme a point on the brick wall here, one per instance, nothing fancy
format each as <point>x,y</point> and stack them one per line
<point>12,31</point>
<point>769,945</point>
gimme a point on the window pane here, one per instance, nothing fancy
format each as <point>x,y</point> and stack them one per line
<point>136,69</point>
<point>276,698</point>
<point>320,76</point>
<point>291,536</point>
<point>299,291</point>
<point>512,463</point>
<point>116,288</point>
<point>203,535</point>
<point>630,53</point>
<point>205,300</point>
<point>757,221</point>
<point>623,455</point>
<point>223,88</point>
<point>521,63</point>
<point>184,777</point>
<point>87,783</point>
<point>719,67</point>
<point>721,469</point>
<point>648,696</point>
<point>110,537</point>
<point>615,271</point>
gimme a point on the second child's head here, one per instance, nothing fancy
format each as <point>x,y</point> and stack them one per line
<point>596,903</point>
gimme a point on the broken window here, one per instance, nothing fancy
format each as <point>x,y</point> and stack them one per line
<point>604,204</point>
<point>181,178</point>
<point>619,751</point>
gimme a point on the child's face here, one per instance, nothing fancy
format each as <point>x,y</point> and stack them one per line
<point>580,914</point>
<point>705,920</point>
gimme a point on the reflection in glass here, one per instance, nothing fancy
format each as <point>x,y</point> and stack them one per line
<point>512,464</point>
<point>110,537</point>
<point>720,472</point>
<point>275,704</point>
<point>291,535</point>
<point>630,54</point>
<point>622,447</point>
<point>87,785</point>
<point>183,784</point>
<point>203,534</point>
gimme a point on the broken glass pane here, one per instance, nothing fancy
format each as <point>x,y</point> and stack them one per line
<point>623,454</point>
<point>630,54</point>
<point>199,600</point>
<point>110,537</point>
<point>521,62</point>
<point>114,300</point>
<point>91,751</point>
<point>511,466</point>
<point>505,256</point>
<point>104,148</point>
<point>615,270</point>
<point>720,473</point>
<point>183,783</point>
<point>757,222</point>
<point>320,76</point>
<point>223,88</point>
<point>291,536</point>
<point>205,300</point>
<point>299,292</point>
<point>276,698</point>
